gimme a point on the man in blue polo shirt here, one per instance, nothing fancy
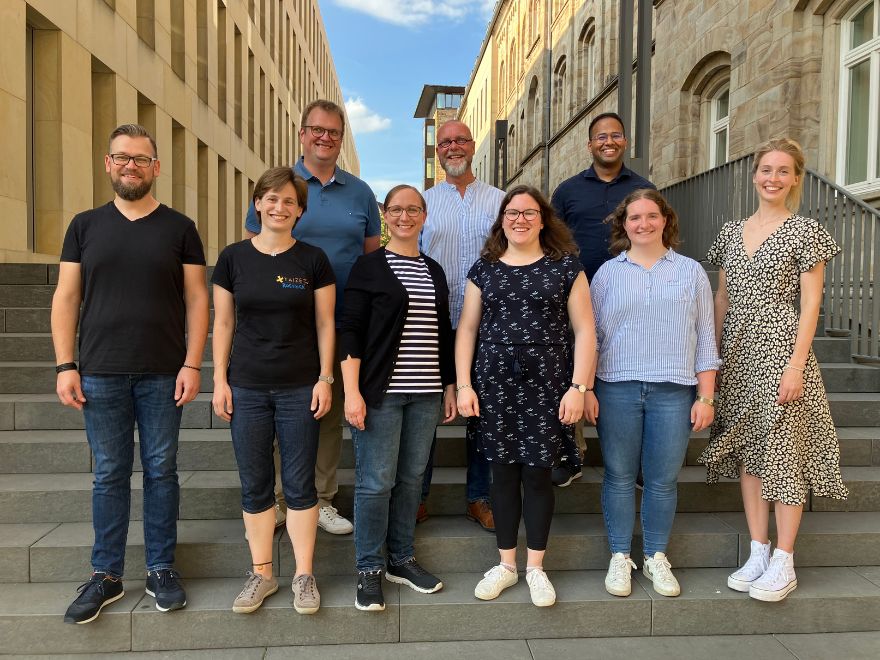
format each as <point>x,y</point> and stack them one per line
<point>583,202</point>
<point>343,220</point>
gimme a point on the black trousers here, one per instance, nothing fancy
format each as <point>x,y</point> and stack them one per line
<point>522,491</point>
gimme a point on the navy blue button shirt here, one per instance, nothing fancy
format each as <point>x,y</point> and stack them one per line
<point>584,201</point>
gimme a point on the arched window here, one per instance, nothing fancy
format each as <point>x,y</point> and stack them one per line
<point>534,110</point>
<point>559,95</point>
<point>511,82</point>
<point>511,153</point>
<point>502,83</point>
<point>858,157</point>
<point>719,126</point>
<point>587,64</point>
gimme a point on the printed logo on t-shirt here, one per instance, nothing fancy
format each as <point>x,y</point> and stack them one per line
<point>292,282</point>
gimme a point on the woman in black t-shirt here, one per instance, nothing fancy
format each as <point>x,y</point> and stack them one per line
<point>273,360</point>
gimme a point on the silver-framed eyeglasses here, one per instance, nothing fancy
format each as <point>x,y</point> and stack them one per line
<point>397,211</point>
<point>604,137</point>
<point>319,131</point>
<point>529,214</point>
<point>140,161</point>
<point>460,141</point>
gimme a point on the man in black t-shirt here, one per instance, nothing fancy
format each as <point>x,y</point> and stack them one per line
<point>138,269</point>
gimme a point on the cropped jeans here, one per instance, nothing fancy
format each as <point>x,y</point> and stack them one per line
<point>390,457</point>
<point>113,404</point>
<point>648,425</point>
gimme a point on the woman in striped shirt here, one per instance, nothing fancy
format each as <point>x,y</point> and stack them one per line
<point>655,378</point>
<point>396,348</point>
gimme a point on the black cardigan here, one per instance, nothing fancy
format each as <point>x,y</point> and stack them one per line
<point>373,317</point>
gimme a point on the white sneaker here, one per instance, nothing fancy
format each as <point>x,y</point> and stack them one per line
<point>494,581</point>
<point>330,521</point>
<point>659,571</point>
<point>778,580</point>
<point>542,591</point>
<point>757,563</point>
<point>618,581</point>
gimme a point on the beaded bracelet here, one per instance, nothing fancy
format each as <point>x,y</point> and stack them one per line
<point>794,368</point>
<point>186,366</point>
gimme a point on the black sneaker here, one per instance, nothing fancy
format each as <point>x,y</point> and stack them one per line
<point>413,576</point>
<point>164,585</point>
<point>369,592</point>
<point>99,591</point>
<point>564,473</point>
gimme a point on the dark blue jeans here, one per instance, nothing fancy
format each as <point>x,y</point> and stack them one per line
<point>390,457</point>
<point>257,417</point>
<point>648,425</point>
<point>479,476</point>
<point>113,405</point>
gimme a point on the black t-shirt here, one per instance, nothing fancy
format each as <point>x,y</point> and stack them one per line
<point>276,340</point>
<point>133,316</point>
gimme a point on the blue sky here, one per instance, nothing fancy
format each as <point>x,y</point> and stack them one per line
<point>385,51</point>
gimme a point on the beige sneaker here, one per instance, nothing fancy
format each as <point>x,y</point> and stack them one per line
<point>618,581</point>
<point>306,599</point>
<point>494,581</point>
<point>330,521</point>
<point>540,588</point>
<point>256,590</point>
<point>659,571</point>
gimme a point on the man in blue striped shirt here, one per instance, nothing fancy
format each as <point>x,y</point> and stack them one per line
<point>583,202</point>
<point>461,211</point>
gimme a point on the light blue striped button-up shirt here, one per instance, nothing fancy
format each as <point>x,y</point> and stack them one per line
<point>455,230</point>
<point>654,325</point>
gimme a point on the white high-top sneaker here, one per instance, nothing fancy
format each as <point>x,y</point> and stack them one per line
<point>778,580</point>
<point>757,563</point>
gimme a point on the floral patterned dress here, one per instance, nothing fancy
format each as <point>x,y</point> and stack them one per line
<point>792,447</point>
<point>523,362</point>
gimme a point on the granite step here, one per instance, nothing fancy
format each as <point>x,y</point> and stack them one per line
<point>215,495</point>
<point>53,552</point>
<point>840,599</point>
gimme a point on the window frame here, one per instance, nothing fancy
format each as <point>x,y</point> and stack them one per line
<point>718,124</point>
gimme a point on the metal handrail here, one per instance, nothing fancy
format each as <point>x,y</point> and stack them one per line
<point>706,201</point>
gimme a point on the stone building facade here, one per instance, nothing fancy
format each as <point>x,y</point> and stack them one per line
<point>437,104</point>
<point>726,75</point>
<point>220,83</point>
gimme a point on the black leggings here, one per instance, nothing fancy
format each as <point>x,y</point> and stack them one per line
<point>534,503</point>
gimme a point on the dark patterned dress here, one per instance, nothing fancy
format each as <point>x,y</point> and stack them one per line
<point>792,447</point>
<point>523,361</point>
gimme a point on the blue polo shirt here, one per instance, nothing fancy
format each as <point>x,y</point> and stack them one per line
<point>340,215</point>
<point>584,201</point>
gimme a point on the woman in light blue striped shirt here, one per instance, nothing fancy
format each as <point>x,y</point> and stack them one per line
<point>655,377</point>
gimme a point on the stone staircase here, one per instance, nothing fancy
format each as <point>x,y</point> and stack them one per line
<point>46,537</point>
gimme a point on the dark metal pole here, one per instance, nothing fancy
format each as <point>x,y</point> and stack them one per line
<point>624,62</point>
<point>548,107</point>
<point>500,179</point>
<point>643,90</point>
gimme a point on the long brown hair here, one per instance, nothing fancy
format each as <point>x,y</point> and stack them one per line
<point>555,236</point>
<point>619,241</point>
<point>793,149</point>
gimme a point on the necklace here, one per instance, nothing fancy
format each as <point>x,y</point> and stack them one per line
<point>270,252</point>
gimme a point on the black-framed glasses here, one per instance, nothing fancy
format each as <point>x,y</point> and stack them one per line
<point>460,141</point>
<point>318,131</point>
<point>529,214</point>
<point>140,161</point>
<point>604,137</point>
<point>397,211</point>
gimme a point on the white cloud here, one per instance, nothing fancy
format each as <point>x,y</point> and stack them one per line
<point>364,120</point>
<point>418,12</point>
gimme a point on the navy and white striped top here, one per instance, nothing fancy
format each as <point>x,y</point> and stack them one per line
<point>654,325</point>
<point>417,366</point>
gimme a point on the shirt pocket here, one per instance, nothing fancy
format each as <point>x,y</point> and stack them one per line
<point>675,293</point>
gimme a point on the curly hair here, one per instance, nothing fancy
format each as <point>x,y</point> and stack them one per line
<point>793,149</point>
<point>619,241</point>
<point>555,236</point>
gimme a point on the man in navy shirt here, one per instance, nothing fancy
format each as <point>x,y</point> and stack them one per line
<point>583,202</point>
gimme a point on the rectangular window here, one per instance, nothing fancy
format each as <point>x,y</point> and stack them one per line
<point>238,57</point>
<point>857,122</point>
<point>178,39</point>
<point>429,135</point>
<point>221,60</point>
<point>202,48</point>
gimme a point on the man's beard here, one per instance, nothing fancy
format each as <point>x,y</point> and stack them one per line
<point>456,168</point>
<point>131,192</point>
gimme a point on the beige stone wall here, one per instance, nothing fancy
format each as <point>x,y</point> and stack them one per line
<point>222,91</point>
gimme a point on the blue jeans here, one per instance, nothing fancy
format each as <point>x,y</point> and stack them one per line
<point>390,457</point>
<point>113,405</point>
<point>645,424</point>
<point>479,475</point>
<point>257,417</point>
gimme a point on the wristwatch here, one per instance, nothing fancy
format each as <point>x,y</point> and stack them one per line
<point>326,379</point>
<point>581,388</point>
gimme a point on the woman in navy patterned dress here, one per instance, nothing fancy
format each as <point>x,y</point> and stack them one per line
<point>525,295</point>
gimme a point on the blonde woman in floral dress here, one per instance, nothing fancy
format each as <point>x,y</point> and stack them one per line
<point>773,428</point>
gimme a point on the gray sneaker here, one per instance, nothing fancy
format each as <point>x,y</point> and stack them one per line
<point>256,589</point>
<point>306,599</point>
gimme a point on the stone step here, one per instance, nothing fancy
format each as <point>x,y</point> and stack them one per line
<point>24,273</point>
<point>215,495</point>
<point>53,552</point>
<point>826,600</point>
<point>46,452</point>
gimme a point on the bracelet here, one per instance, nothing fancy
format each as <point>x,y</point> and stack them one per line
<point>66,366</point>
<point>186,366</point>
<point>794,368</point>
<point>706,400</point>
<point>462,387</point>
